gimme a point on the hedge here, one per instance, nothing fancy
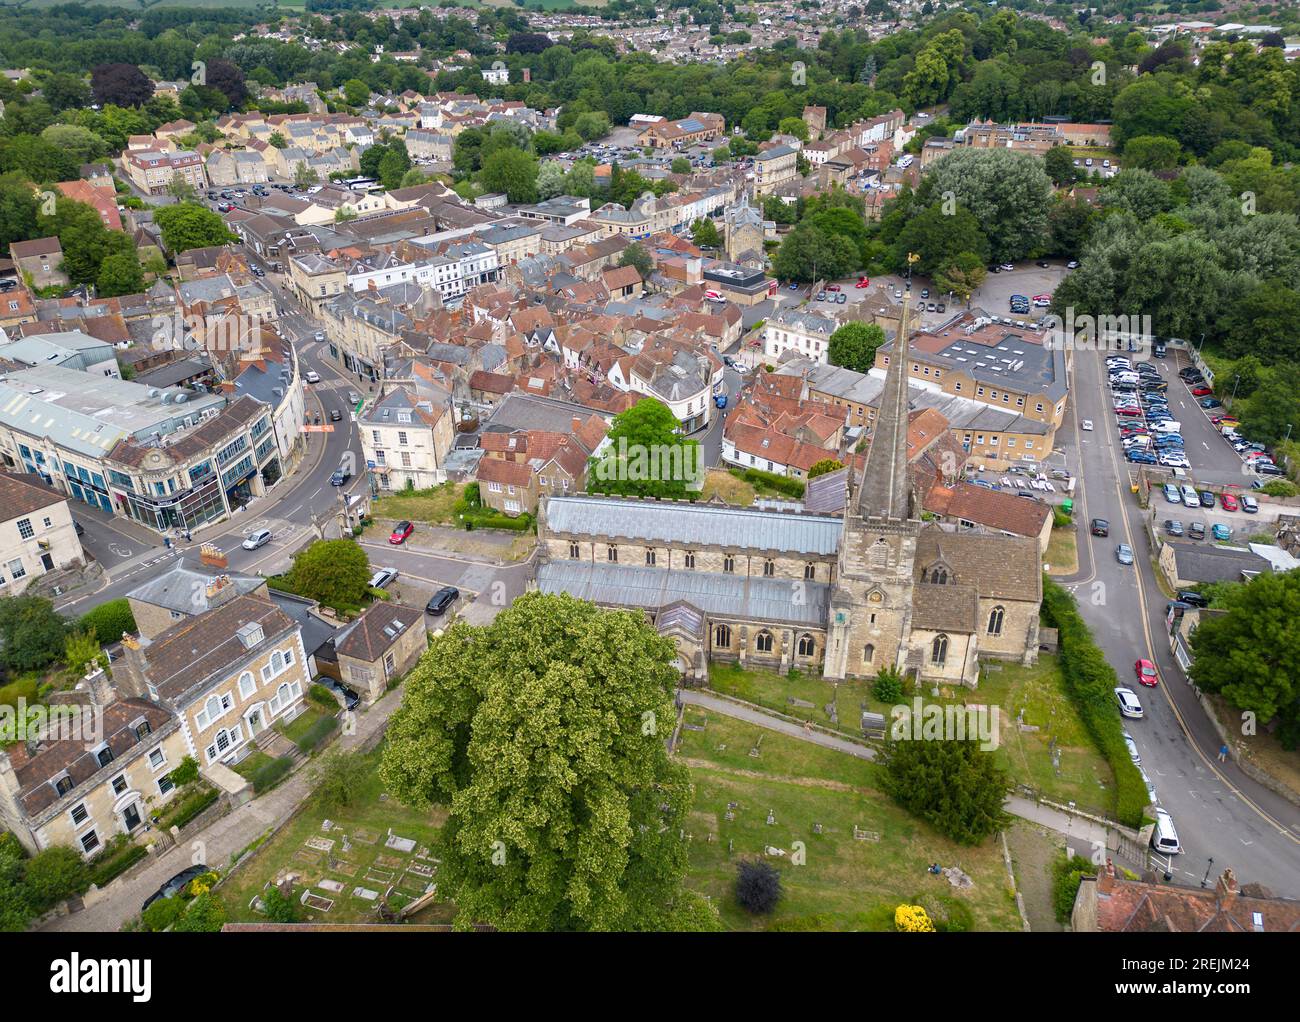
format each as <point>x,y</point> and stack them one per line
<point>187,806</point>
<point>316,734</point>
<point>1090,682</point>
<point>268,776</point>
<point>322,697</point>
<point>109,620</point>
<point>782,484</point>
<point>115,860</point>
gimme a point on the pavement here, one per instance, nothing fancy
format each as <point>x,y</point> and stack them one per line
<point>215,844</point>
<point>1219,812</point>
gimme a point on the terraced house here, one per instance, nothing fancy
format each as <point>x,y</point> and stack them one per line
<point>227,674</point>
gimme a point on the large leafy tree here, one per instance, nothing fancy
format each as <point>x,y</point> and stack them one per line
<point>1006,191</point>
<point>120,84</point>
<point>646,455</point>
<point>32,633</point>
<point>937,237</point>
<point>512,171</point>
<point>809,253</point>
<point>962,276</point>
<point>543,736</point>
<point>954,786</point>
<point>1251,653</point>
<point>854,345</point>
<point>188,225</point>
<point>227,79</point>
<point>334,572</point>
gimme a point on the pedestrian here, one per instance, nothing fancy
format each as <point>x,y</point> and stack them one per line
<point>1223,754</point>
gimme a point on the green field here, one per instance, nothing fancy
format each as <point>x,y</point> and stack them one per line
<point>1080,774</point>
<point>845,883</point>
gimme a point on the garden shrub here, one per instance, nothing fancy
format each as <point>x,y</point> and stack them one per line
<point>119,855</point>
<point>1067,874</point>
<point>322,697</point>
<point>271,774</point>
<point>162,914</point>
<point>109,620</point>
<point>316,734</point>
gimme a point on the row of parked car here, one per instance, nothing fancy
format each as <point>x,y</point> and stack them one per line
<point>1255,455</point>
<point>1148,431</point>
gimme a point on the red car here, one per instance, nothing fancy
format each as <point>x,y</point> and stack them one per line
<point>1126,410</point>
<point>1228,502</point>
<point>832,287</point>
<point>401,531</point>
<point>1146,673</point>
<point>1201,391</point>
<point>862,282</point>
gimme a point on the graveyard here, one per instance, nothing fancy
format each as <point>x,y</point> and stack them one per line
<point>1041,742</point>
<point>848,856</point>
<point>363,863</point>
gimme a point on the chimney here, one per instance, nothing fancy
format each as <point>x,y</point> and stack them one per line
<point>528,75</point>
<point>694,270</point>
<point>213,556</point>
<point>1227,887</point>
<point>220,590</point>
<point>133,676</point>
<point>100,686</point>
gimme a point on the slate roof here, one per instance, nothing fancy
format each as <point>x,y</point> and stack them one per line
<point>716,594</point>
<point>184,587</point>
<point>1001,567</point>
<point>375,632</point>
<point>703,525</point>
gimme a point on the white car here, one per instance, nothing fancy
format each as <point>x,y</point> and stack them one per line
<point>1151,788</point>
<point>256,539</point>
<point>320,335</point>
<point>741,368</point>
<point>382,578</point>
<point>312,376</point>
<point>1133,753</point>
<point>1086,425</point>
<point>1006,266</point>
<point>1127,701</point>
<point>1175,461</point>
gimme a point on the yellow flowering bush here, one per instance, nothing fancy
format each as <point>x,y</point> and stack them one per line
<point>912,919</point>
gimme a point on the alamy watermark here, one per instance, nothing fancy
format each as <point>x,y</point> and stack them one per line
<point>945,722</point>
<point>234,332</point>
<point>1131,333</point>
<point>61,722</point>
<point>653,463</point>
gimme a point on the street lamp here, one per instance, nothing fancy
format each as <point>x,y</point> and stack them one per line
<point>1209,864</point>
<point>1235,380</point>
<point>1288,433</point>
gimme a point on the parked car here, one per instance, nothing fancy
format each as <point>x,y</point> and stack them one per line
<point>1220,532</point>
<point>1128,703</point>
<point>1146,673</point>
<point>1192,597</point>
<point>1173,527</point>
<point>401,533</point>
<point>1131,745</point>
<point>1073,264</point>
<point>257,539</point>
<point>1172,493</point>
<point>1210,402</point>
<point>441,600</point>
<point>1207,498</point>
<point>1100,527</point>
<point>1124,554</point>
<point>1086,425</point>
<point>1249,504</point>
<point>863,282</point>
<point>340,476</point>
<point>176,884</point>
<point>1196,530</point>
<point>1164,838</point>
<point>1201,391</point>
<point>841,299</point>
<point>383,578</point>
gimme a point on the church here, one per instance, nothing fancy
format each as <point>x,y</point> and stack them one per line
<point>841,595</point>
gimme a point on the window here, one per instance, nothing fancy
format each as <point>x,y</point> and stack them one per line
<point>16,569</point>
<point>868,653</point>
<point>611,553</point>
<point>143,730</point>
<point>996,617</point>
<point>649,557</point>
<point>769,568</point>
<point>939,650</point>
<point>89,842</point>
<point>807,645</point>
<point>119,784</point>
<point>722,636</point>
<point>810,570</point>
<point>574,551</point>
<point>25,528</point>
<point>79,814</point>
<point>729,564</point>
<point>157,759</point>
<point>401,438</point>
<point>165,784</point>
<point>104,756</point>
<point>763,641</point>
<point>63,785</point>
<point>689,559</point>
<point>939,575</point>
<point>390,662</point>
<point>247,686</point>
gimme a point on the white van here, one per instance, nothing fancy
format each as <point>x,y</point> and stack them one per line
<point>1164,838</point>
<point>1169,426</point>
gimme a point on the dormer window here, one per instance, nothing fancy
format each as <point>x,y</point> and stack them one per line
<point>104,755</point>
<point>250,634</point>
<point>63,784</point>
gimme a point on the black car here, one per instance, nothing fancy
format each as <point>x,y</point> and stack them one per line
<point>176,884</point>
<point>350,699</point>
<point>441,600</point>
<point>1194,598</point>
<point>79,528</point>
<point>1100,527</point>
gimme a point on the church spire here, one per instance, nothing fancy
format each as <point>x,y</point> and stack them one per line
<point>885,492</point>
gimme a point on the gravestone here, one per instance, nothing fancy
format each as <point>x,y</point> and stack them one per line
<point>365,894</point>
<point>802,704</point>
<point>333,886</point>
<point>771,818</point>
<point>817,828</point>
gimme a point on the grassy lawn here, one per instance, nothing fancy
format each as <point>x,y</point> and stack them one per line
<point>721,483</point>
<point>368,863</point>
<point>251,764</point>
<point>1081,775</point>
<point>1062,556</point>
<point>846,883</point>
<point>1263,750</point>
<point>301,724</point>
<point>774,690</point>
<point>432,505</point>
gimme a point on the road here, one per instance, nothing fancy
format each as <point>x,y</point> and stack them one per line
<point>1218,811</point>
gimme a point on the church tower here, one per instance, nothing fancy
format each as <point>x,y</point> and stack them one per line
<point>871,607</point>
